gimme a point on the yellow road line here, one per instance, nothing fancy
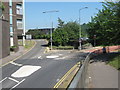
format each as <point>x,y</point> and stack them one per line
<point>18,56</point>
<point>62,79</point>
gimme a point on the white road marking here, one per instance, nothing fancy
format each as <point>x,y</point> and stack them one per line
<point>18,84</point>
<point>89,77</point>
<point>39,57</point>
<point>13,79</point>
<point>61,58</point>
<point>57,79</point>
<point>25,71</point>
<point>15,63</point>
<point>60,54</point>
<point>3,79</point>
<point>52,56</point>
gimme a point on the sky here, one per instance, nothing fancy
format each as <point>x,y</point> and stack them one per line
<point>68,11</point>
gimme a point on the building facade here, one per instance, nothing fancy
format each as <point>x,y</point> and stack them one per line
<point>16,22</point>
<point>4,31</point>
<point>11,25</point>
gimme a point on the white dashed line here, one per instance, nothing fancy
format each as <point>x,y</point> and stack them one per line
<point>17,84</point>
<point>52,56</point>
<point>15,63</point>
<point>60,54</point>
<point>13,79</point>
<point>89,77</point>
<point>39,57</point>
<point>3,79</point>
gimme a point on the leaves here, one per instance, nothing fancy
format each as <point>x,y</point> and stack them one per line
<point>106,25</point>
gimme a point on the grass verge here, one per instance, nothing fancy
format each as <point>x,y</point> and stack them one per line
<point>115,62</point>
<point>28,44</point>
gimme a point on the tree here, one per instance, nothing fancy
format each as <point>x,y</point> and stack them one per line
<point>60,23</point>
<point>106,25</point>
<point>2,6</point>
<point>66,34</point>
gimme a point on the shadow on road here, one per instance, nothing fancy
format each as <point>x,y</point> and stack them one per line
<point>45,45</point>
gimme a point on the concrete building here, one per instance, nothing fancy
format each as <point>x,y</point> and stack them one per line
<point>4,31</point>
<point>42,30</point>
<point>11,26</point>
<point>16,22</point>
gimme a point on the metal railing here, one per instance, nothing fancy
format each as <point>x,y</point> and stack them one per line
<point>79,80</point>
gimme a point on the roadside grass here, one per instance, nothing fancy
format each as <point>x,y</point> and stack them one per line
<point>115,62</point>
<point>28,43</point>
<point>63,47</point>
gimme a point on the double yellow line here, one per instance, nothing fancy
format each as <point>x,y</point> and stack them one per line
<point>66,75</point>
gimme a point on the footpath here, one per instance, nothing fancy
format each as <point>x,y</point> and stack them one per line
<point>100,74</point>
<point>15,55</point>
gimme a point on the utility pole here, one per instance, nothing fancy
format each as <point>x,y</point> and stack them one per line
<point>80,33</point>
<point>23,22</point>
<point>51,26</point>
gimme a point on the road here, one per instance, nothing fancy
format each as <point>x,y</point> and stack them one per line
<point>37,69</point>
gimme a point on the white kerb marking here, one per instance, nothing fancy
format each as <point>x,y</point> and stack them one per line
<point>52,56</point>
<point>25,71</point>
<point>3,79</point>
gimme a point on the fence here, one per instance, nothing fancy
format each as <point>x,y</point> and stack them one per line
<point>79,80</point>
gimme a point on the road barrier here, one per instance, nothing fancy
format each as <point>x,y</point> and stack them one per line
<point>79,80</point>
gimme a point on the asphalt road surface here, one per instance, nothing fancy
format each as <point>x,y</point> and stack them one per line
<point>37,69</point>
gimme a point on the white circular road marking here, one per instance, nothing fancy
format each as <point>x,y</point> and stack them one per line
<point>25,71</point>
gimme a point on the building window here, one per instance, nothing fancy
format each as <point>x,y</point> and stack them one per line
<point>19,9</point>
<point>10,3</point>
<point>19,24</point>
<point>10,19</point>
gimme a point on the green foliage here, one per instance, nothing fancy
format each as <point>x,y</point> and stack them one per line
<point>115,62</point>
<point>84,28</point>
<point>37,34</point>
<point>66,34</point>
<point>2,6</point>
<point>106,25</point>
<point>60,23</point>
<point>12,48</point>
<point>63,47</point>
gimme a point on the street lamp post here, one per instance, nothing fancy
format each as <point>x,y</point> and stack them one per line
<point>80,33</point>
<point>51,26</point>
<point>23,23</point>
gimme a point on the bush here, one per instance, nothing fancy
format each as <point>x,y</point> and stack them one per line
<point>12,48</point>
<point>63,47</point>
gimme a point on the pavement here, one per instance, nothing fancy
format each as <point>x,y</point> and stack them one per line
<point>102,75</point>
<point>14,55</point>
